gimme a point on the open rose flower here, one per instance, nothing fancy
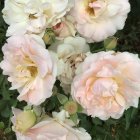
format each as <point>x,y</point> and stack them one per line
<point>57,128</point>
<point>108,84</point>
<point>30,68</point>
<point>70,52</point>
<point>34,16</point>
<point>99,19</point>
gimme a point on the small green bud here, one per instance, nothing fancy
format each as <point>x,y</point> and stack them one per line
<point>71,107</point>
<point>110,43</point>
<point>25,120</point>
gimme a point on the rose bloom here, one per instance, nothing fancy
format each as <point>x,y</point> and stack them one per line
<point>59,127</point>
<point>33,16</point>
<point>65,28</point>
<point>70,52</point>
<point>99,19</point>
<point>30,68</point>
<point>108,84</point>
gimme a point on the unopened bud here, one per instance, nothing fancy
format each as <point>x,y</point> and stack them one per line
<point>110,43</point>
<point>25,120</point>
<point>71,107</point>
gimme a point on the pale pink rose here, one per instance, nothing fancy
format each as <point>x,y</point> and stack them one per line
<point>108,84</point>
<point>30,68</point>
<point>65,28</point>
<point>59,127</point>
<point>99,19</point>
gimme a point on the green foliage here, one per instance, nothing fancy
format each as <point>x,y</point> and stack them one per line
<point>125,128</point>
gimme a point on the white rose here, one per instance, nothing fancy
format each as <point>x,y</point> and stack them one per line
<point>98,19</point>
<point>33,16</point>
<point>70,52</point>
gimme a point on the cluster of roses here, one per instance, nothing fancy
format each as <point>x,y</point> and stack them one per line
<point>105,84</point>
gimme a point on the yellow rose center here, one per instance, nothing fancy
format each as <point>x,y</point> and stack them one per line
<point>108,90</point>
<point>27,70</point>
<point>95,7</point>
<point>89,8</point>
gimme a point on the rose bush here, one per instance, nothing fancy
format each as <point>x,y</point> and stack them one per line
<point>51,67</point>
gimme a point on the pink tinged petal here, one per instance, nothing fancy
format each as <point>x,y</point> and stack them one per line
<point>103,30</point>
<point>24,91</point>
<point>105,87</point>
<point>106,71</point>
<point>84,30</point>
<point>6,66</point>
<point>130,70</point>
<point>43,60</point>
<point>16,111</point>
<point>42,66</point>
<point>22,137</point>
<point>120,100</point>
<point>71,136</point>
<point>95,5</point>
<point>116,111</point>
<point>130,95</point>
<point>89,83</point>
<point>49,129</point>
<point>16,85</point>
<point>89,96</point>
<point>38,39</point>
<point>42,90</point>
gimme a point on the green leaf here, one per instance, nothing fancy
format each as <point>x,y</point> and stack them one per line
<point>3,104</point>
<point>50,105</point>
<point>111,122</point>
<point>85,121</point>
<point>110,43</point>
<point>6,112</point>
<point>2,125</point>
<point>80,109</point>
<point>62,98</point>
<point>74,118</point>
<point>96,121</point>
<point>129,115</point>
